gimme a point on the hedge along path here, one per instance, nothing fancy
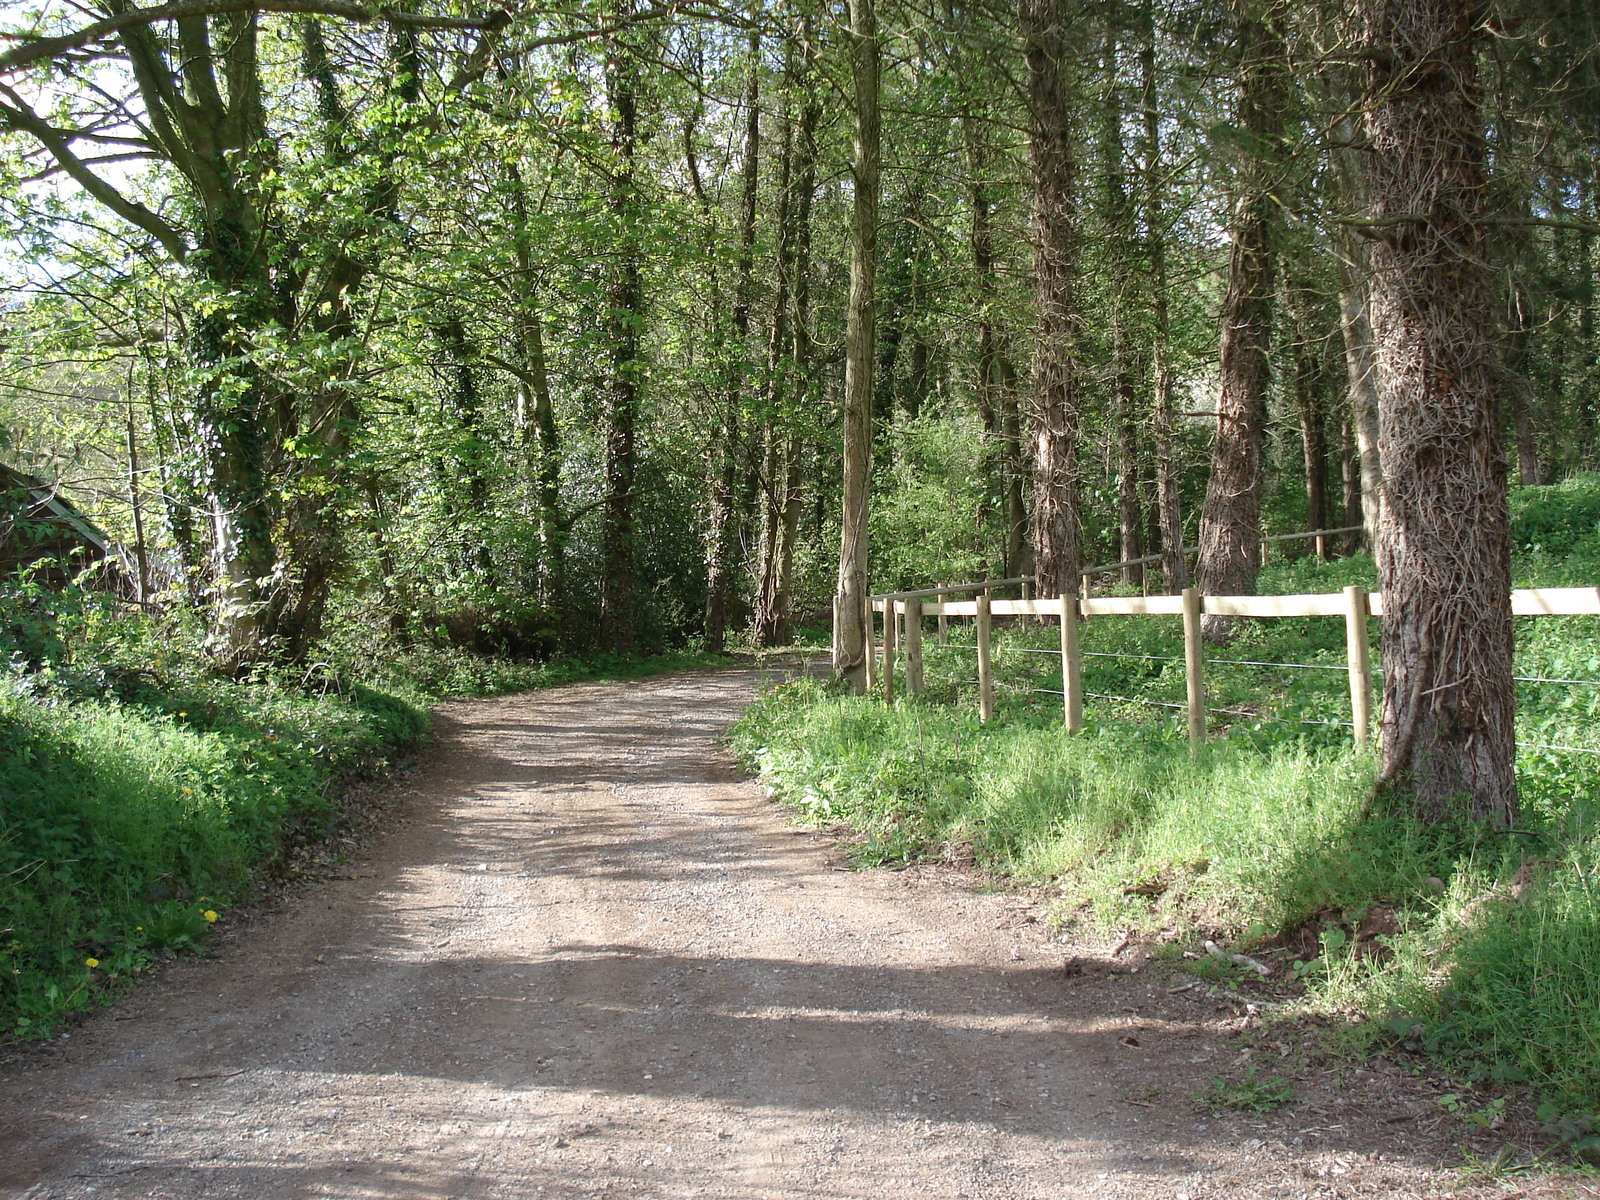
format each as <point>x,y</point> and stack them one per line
<point>589,958</point>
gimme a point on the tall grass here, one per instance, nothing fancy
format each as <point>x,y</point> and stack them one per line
<point>1489,953</point>
<point>141,793</point>
<point>124,824</point>
<point>1481,949</point>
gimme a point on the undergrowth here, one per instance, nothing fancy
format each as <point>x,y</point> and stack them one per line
<point>1480,949</point>
<point>142,793</point>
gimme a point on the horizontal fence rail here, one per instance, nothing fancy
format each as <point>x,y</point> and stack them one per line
<point>904,613</point>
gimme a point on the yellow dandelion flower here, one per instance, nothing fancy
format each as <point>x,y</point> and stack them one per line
<point>209,915</point>
<point>188,791</point>
<point>91,963</point>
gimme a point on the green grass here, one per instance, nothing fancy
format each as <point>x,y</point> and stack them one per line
<point>1249,1094</point>
<point>125,821</point>
<point>1480,949</point>
<point>140,791</point>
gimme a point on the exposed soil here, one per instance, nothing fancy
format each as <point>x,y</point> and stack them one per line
<point>586,957</point>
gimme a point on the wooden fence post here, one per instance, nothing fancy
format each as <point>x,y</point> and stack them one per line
<point>891,630</point>
<point>913,646</point>
<point>872,650</point>
<point>985,678</point>
<point>1071,666</point>
<point>1356,650</point>
<point>944,622</point>
<point>1194,668</point>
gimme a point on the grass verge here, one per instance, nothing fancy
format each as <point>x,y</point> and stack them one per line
<point>1480,950</point>
<point>141,795</point>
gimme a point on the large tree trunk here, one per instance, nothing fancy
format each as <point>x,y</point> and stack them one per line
<point>1230,519</point>
<point>233,416</point>
<point>1053,409</point>
<point>624,316</point>
<point>1444,559</point>
<point>849,600</point>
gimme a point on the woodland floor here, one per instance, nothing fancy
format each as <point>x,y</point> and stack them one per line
<point>581,955</point>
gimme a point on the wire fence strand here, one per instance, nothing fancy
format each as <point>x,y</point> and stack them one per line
<point>1244,662</point>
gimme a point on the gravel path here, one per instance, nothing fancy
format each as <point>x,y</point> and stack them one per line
<point>587,958</point>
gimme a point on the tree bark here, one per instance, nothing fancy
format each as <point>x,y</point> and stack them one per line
<point>849,624</point>
<point>1047,33</point>
<point>791,340</point>
<point>1444,557</point>
<point>722,543</point>
<point>1174,567</point>
<point>623,321</point>
<point>1230,519</point>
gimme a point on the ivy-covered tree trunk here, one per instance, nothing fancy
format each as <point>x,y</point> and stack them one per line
<point>1443,548</point>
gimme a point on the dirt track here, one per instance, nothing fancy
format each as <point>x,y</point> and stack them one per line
<point>589,959</point>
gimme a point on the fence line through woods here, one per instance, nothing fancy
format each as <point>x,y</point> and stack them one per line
<point>907,610</point>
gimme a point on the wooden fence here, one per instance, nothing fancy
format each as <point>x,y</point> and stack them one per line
<point>905,612</point>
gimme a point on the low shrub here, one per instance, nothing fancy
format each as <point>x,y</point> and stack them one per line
<point>142,793</point>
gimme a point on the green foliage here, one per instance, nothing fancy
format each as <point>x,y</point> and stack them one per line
<point>1558,519</point>
<point>143,792</point>
<point>1249,1094</point>
<point>922,515</point>
<point>1482,950</point>
<point>1254,841</point>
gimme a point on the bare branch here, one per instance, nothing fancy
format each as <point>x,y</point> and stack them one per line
<point>19,116</point>
<point>39,49</point>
